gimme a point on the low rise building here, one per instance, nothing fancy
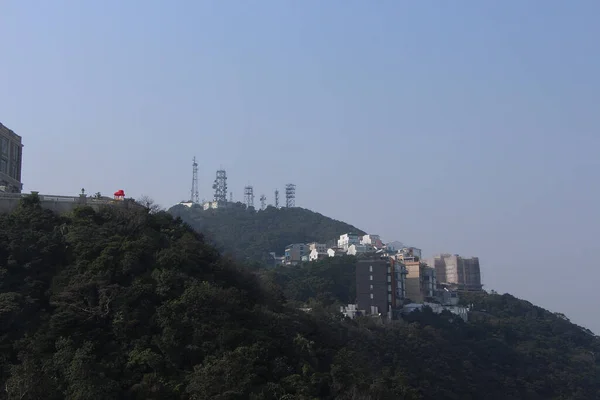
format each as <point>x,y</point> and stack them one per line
<point>294,253</point>
<point>348,239</point>
<point>356,249</point>
<point>316,255</point>
<point>320,247</point>
<point>372,240</point>
<point>336,252</point>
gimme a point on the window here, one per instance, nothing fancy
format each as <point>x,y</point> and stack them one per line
<point>370,277</point>
<point>370,268</point>
<point>15,152</point>
<point>390,298</point>
<point>4,145</point>
<point>371,296</point>
<point>371,287</point>
<point>3,165</point>
<point>389,288</point>
<point>13,170</point>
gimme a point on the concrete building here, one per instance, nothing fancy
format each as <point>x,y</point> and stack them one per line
<point>457,272</point>
<point>316,255</point>
<point>335,252</point>
<point>355,249</point>
<point>320,247</point>
<point>295,252</point>
<point>380,285</point>
<point>11,150</point>
<point>347,240</point>
<point>372,240</point>
<point>420,281</point>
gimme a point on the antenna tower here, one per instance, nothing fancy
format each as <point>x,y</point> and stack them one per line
<point>290,195</point>
<point>231,197</point>
<point>220,186</point>
<point>276,198</point>
<point>263,201</point>
<point>194,196</point>
<point>249,196</point>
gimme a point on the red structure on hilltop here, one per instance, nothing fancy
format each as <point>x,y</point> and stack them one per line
<point>120,195</point>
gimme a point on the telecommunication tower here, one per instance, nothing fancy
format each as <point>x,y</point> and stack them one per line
<point>194,196</point>
<point>249,196</point>
<point>290,195</point>
<point>220,186</point>
<point>276,198</point>
<point>263,201</point>
<point>231,197</point>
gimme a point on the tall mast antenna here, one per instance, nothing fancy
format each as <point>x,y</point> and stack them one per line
<point>194,195</point>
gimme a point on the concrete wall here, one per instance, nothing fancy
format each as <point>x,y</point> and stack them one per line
<point>62,204</point>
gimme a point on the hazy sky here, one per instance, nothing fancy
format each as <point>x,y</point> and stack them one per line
<point>465,127</point>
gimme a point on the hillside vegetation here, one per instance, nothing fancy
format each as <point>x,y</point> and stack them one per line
<point>249,235</point>
<point>132,305</point>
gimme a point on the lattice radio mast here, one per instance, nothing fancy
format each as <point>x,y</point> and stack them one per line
<point>194,195</point>
<point>276,198</point>
<point>290,195</point>
<point>220,186</point>
<point>263,201</point>
<point>249,196</point>
<point>231,197</point>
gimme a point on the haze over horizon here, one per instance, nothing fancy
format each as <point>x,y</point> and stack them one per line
<point>468,128</point>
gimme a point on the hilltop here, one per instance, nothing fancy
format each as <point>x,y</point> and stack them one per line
<point>249,235</point>
<point>135,305</point>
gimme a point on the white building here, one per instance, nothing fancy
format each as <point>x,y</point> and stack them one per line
<point>316,255</point>
<point>355,249</point>
<point>348,239</point>
<point>372,240</point>
<point>320,247</point>
<point>335,252</point>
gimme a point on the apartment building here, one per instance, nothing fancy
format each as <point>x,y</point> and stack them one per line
<point>356,249</point>
<point>11,150</point>
<point>457,272</point>
<point>348,239</point>
<point>296,253</point>
<point>372,240</point>
<point>380,285</point>
<point>420,281</point>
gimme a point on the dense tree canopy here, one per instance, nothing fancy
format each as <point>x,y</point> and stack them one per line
<point>134,305</point>
<point>249,235</point>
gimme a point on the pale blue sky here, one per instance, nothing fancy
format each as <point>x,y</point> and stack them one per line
<point>467,126</point>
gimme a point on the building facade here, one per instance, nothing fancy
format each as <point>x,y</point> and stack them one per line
<point>380,285</point>
<point>11,150</point>
<point>457,272</point>
<point>372,240</point>
<point>295,253</point>
<point>347,240</point>
<point>420,281</point>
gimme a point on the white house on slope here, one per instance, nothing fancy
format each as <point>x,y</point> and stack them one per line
<point>348,239</point>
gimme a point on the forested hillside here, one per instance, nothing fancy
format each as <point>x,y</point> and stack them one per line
<point>132,305</point>
<point>249,235</point>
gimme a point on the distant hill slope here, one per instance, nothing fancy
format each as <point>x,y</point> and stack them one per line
<point>117,304</point>
<point>250,235</point>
